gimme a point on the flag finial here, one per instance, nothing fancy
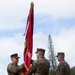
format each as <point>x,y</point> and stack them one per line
<point>32,4</point>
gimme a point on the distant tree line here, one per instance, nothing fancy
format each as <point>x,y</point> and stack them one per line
<point>73,70</point>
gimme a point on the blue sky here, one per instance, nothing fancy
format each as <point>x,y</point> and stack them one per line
<point>54,17</point>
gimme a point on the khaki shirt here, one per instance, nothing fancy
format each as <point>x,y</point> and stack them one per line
<point>14,69</point>
<point>63,68</point>
<point>39,67</point>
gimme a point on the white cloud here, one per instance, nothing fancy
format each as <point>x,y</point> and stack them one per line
<point>12,12</point>
<point>56,8</point>
<point>3,70</point>
<point>11,45</point>
<point>11,26</point>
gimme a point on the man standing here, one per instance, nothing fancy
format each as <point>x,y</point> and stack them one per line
<point>13,68</point>
<point>63,67</point>
<point>41,65</point>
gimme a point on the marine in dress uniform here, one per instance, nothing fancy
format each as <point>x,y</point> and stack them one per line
<point>13,68</point>
<point>63,67</point>
<point>41,65</point>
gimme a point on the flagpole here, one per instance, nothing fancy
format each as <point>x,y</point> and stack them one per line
<point>32,6</point>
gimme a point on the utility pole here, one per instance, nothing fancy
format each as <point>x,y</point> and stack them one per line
<point>52,58</point>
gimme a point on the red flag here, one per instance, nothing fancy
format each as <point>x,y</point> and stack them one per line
<point>28,40</point>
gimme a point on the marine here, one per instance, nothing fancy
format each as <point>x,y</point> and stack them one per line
<point>41,65</point>
<point>63,67</point>
<point>13,68</point>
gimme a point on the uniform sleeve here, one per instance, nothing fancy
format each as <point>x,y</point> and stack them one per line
<point>15,69</point>
<point>60,69</point>
<point>32,69</point>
